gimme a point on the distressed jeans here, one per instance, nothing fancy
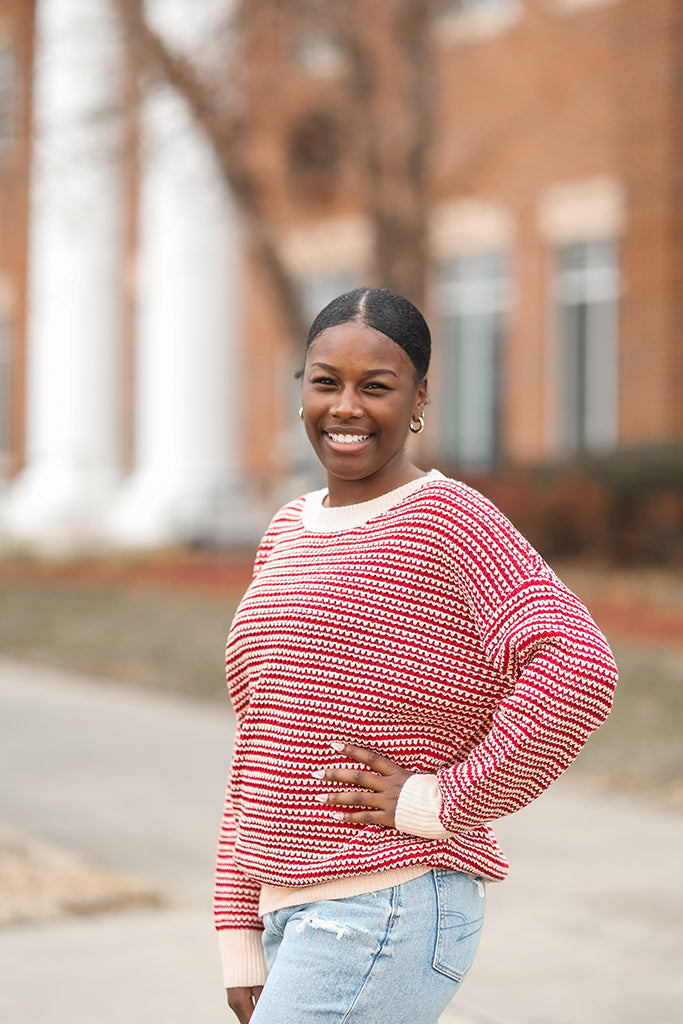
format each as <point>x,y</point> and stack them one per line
<point>395,956</point>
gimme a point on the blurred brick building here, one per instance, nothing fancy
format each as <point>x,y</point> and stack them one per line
<point>556,219</point>
<point>555,285</point>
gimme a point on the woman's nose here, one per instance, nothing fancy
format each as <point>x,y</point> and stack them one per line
<point>347,404</point>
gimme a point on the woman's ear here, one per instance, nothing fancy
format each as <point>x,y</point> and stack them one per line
<point>421,398</point>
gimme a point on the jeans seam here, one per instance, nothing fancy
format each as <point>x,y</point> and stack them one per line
<point>395,903</point>
<point>277,927</point>
<point>437,965</point>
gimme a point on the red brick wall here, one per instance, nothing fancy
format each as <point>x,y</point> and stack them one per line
<point>646,124</point>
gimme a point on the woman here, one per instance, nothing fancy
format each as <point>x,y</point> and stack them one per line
<point>405,669</point>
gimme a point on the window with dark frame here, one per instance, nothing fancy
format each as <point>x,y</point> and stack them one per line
<point>586,309</point>
<point>474,302</point>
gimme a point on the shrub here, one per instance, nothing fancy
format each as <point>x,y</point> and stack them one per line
<point>624,507</point>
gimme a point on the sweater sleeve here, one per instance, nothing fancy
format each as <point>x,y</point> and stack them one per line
<point>236,913</point>
<point>236,897</point>
<point>419,806</point>
<point>562,676</point>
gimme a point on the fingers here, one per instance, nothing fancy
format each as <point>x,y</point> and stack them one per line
<point>367,817</point>
<point>359,777</point>
<point>242,1001</point>
<point>375,792</point>
<point>354,798</point>
<point>380,764</point>
<point>368,786</point>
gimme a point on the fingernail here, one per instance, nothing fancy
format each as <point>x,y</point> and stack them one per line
<point>321,798</point>
<point>336,745</point>
<point>319,773</point>
<point>337,815</point>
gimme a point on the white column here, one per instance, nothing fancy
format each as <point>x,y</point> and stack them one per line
<point>74,276</point>
<point>188,326</point>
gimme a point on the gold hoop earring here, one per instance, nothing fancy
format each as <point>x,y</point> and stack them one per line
<point>419,428</point>
<point>301,413</point>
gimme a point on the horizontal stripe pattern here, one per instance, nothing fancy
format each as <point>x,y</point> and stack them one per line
<point>433,633</point>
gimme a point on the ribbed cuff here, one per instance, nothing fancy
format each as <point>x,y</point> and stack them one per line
<point>244,963</point>
<point>418,808</point>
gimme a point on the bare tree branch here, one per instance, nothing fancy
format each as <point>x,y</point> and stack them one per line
<point>386,95</point>
<point>226,136</point>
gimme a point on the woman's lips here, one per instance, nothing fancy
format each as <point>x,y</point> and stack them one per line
<point>343,438</point>
<point>345,442</point>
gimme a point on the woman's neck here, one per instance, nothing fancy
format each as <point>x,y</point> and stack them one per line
<point>355,492</point>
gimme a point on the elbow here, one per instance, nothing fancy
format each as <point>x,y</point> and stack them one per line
<point>601,690</point>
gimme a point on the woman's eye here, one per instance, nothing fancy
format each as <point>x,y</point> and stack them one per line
<point>323,380</point>
<point>375,385</point>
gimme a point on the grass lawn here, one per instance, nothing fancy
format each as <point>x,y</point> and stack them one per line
<point>173,640</point>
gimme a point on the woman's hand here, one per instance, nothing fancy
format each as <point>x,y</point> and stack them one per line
<point>243,1000</point>
<point>375,794</point>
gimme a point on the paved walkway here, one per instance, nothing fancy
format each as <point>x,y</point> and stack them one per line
<point>587,929</point>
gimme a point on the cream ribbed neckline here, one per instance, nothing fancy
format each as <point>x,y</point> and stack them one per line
<point>319,519</point>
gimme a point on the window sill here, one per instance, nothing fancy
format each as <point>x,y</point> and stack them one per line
<point>579,6</point>
<point>472,26</point>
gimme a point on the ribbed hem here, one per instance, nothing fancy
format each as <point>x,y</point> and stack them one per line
<point>276,897</point>
<point>319,519</point>
<point>418,808</point>
<point>242,957</point>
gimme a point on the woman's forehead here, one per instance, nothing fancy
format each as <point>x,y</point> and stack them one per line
<point>360,344</point>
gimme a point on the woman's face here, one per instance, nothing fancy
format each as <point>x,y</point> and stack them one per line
<point>359,396</point>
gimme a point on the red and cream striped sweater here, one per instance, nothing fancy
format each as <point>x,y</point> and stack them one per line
<point>424,626</point>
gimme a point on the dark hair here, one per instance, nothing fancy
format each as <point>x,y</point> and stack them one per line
<point>387,313</point>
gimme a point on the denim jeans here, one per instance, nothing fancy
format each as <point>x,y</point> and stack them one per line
<point>396,956</point>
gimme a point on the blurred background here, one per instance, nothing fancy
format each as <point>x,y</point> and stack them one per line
<point>184,184</point>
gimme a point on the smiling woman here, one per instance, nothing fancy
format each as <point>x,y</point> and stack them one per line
<point>364,385</point>
<point>359,398</point>
<point>405,669</point>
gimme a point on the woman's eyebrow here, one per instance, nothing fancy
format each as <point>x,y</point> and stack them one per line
<point>368,373</point>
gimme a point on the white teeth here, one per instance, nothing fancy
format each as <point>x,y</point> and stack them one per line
<point>348,438</point>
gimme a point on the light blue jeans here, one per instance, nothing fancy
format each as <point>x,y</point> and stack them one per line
<point>396,956</point>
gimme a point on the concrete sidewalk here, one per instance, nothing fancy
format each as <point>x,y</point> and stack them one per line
<point>587,928</point>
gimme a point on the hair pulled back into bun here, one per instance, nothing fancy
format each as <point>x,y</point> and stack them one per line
<point>386,312</point>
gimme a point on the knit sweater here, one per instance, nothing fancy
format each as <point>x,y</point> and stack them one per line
<point>424,626</point>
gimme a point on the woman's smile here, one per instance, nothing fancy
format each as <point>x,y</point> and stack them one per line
<point>346,440</point>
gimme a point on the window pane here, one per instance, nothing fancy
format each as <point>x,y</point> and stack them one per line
<point>463,6</point>
<point>476,410</point>
<point>7,95</point>
<point>601,377</point>
<point>571,376</point>
<point>475,298</point>
<point>587,292</point>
